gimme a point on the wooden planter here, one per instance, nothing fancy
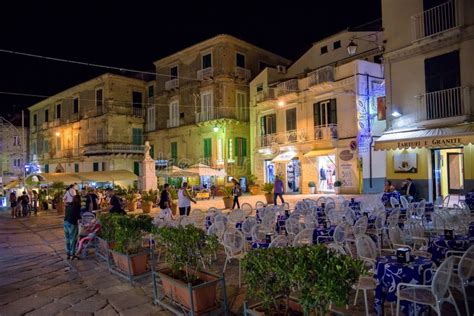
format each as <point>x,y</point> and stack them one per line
<point>132,206</point>
<point>105,245</point>
<point>131,264</point>
<point>200,299</point>
<point>228,201</point>
<point>312,190</point>
<point>254,189</point>
<point>257,310</point>
<point>146,207</point>
<point>337,190</point>
<point>60,207</point>
<point>269,198</point>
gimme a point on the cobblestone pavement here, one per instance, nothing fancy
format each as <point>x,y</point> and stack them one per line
<point>36,278</point>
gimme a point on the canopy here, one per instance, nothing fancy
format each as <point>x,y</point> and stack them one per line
<point>12,184</point>
<point>66,178</point>
<point>174,171</point>
<point>319,152</point>
<point>436,137</point>
<point>204,170</point>
<point>285,156</point>
<point>78,177</point>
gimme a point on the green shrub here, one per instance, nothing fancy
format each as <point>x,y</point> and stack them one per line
<point>268,188</point>
<point>311,184</point>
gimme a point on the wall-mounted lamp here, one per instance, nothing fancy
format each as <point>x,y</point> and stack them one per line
<point>57,134</point>
<point>281,103</point>
<point>215,128</point>
<point>352,47</point>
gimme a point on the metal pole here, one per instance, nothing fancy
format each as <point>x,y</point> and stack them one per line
<point>23,145</point>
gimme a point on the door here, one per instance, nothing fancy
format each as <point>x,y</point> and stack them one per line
<point>455,173</point>
<point>325,118</point>
<point>291,125</point>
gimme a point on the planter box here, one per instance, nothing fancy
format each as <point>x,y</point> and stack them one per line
<point>132,206</point>
<point>312,190</point>
<point>146,207</point>
<point>131,264</point>
<point>269,198</point>
<point>201,298</point>
<point>228,202</point>
<point>254,189</point>
<point>256,309</point>
<point>104,245</point>
<point>60,208</point>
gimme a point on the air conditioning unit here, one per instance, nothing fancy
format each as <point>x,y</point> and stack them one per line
<point>281,69</point>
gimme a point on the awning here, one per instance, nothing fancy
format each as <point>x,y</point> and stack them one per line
<point>12,185</point>
<point>108,176</point>
<point>431,138</point>
<point>204,170</point>
<point>66,178</point>
<point>285,157</point>
<point>174,171</point>
<point>319,152</point>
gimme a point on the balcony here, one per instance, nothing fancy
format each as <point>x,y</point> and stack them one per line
<point>44,125</point>
<point>205,74</point>
<point>266,95</point>
<point>287,87</point>
<point>444,104</point>
<point>436,20</point>
<point>240,114</point>
<point>173,122</point>
<point>97,149</point>
<point>242,73</point>
<point>321,76</point>
<point>320,133</point>
<point>172,84</point>
<point>138,112</point>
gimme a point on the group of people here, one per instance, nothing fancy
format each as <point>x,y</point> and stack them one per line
<point>24,204</point>
<point>407,188</point>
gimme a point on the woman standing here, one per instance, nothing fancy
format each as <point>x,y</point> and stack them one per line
<point>236,192</point>
<point>165,198</point>
<point>184,200</point>
<point>71,217</point>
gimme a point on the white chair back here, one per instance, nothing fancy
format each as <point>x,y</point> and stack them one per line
<point>247,208</point>
<point>233,241</point>
<point>305,237</point>
<point>281,241</point>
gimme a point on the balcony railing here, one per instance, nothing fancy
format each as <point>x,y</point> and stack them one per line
<point>205,74</point>
<point>287,87</point>
<point>266,95</point>
<point>139,112</point>
<point>173,122</point>
<point>444,103</point>
<point>171,84</point>
<point>326,132</point>
<point>436,20</point>
<point>113,149</point>
<point>243,73</point>
<point>322,75</point>
<point>240,114</point>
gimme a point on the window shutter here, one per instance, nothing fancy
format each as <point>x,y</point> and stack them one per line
<point>317,110</point>
<point>333,112</point>
<point>244,147</point>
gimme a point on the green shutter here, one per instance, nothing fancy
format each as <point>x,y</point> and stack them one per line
<point>76,167</point>
<point>317,110</point>
<point>174,151</point>
<point>333,112</point>
<point>244,147</point>
<point>46,168</point>
<point>136,168</point>
<point>207,148</point>
<point>95,166</point>
<point>152,151</point>
<point>137,136</point>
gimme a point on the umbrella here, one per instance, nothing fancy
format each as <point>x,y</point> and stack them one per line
<point>174,171</point>
<point>204,170</point>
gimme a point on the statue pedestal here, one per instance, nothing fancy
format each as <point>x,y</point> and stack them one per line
<point>147,181</point>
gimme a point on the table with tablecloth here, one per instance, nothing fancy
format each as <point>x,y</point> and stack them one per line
<point>439,245</point>
<point>387,195</point>
<point>389,273</point>
<point>471,229</point>
<point>470,200</point>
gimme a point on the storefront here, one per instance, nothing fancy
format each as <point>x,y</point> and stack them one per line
<point>288,166</point>
<point>439,161</point>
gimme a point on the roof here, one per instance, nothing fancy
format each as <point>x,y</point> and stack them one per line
<point>78,177</point>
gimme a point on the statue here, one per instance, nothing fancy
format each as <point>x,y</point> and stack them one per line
<point>147,150</point>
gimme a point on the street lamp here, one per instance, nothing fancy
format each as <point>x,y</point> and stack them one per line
<point>352,47</point>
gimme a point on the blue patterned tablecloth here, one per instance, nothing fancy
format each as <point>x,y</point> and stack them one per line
<point>323,231</point>
<point>387,195</point>
<point>355,205</point>
<point>260,245</point>
<point>439,246</point>
<point>471,229</point>
<point>470,200</point>
<point>389,273</point>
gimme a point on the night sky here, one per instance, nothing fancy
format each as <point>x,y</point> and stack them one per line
<point>133,34</point>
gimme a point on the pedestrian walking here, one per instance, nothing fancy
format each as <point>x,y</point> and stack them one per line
<point>236,193</point>
<point>69,195</point>
<point>71,218</point>
<point>92,200</point>
<point>13,204</point>
<point>184,200</point>
<point>34,202</point>
<point>165,197</point>
<point>278,189</point>
<point>25,204</point>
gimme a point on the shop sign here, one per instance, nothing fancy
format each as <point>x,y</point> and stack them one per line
<point>346,155</point>
<point>433,142</point>
<point>346,174</point>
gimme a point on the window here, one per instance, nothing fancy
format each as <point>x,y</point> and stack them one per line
<point>95,166</point>
<point>174,111</point>
<point>241,105</point>
<point>207,109</point>
<point>75,105</point>
<point>240,60</point>
<point>325,112</point>
<point>103,166</point>
<point>100,135</point>
<point>99,97</point>
<point>35,120</point>
<point>291,119</point>
<point>46,116</point>
<point>76,167</point>
<point>137,99</point>
<point>16,140</point>
<point>174,72</point>
<point>58,111</point>
<point>151,91</point>
<point>260,87</point>
<point>137,136</point>
<point>442,72</point>
<point>268,124</point>
<point>58,143</point>
<point>46,146</point>
<point>432,18</point>
<point>240,150</point>
<point>174,152</point>
<point>150,118</point>
<point>378,59</point>
<point>33,148</point>
<point>324,50</point>
<point>46,168</point>
<point>207,150</point>
<point>336,44</point>
<point>206,61</point>
<point>136,168</point>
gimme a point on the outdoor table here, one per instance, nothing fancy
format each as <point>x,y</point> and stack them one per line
<point>438,246</point>
<point>323,231</point>
<point>470,200</point>
<point>281,222</point>
<point>355,205</point>
<point>260,245</point>
<point>387,195</point>
<point>389,273</point>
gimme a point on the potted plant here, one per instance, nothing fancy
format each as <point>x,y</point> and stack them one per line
<point>106,235</point>
<point>148,198</point>
<point>268,190</point>
<point>127,252</point>
<point>227,192</point>
<point>337,186</point>
<point>254,189</point>
<point>185,248</point>
<point>174,198</point>
<point>312,187</point>
<point>56,190</point>
<point>131,199</point>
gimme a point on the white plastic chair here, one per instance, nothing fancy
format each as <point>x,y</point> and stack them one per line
<point>305,237</point>
<point>247,208</point>
<point>259,233</point>
<point>310,222</point>
<point>349,216</point>
<point>464,272</point>
<point>394,202</point>
<point>259,204</point>
<point>293,227</point>
<point>236,216</point>
<point>281,241</point>
<point>233,242</point>
<point>432,295</point>
<point>217,228</point>
<point>186,220</point>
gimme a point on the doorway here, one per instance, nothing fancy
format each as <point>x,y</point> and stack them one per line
<point>448,171</point>
<point>293,176</point>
